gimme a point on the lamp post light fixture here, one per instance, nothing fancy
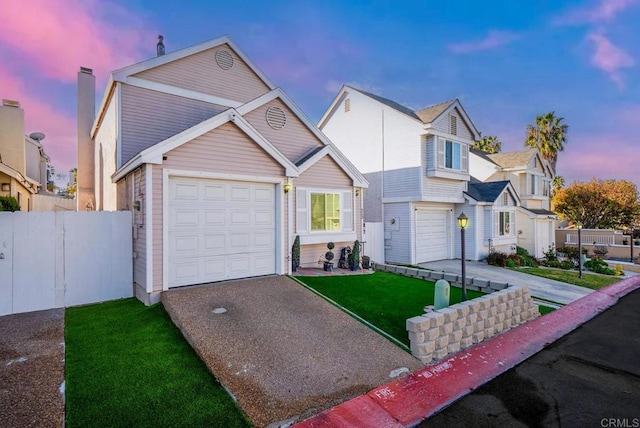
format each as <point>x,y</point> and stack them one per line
<point>579,251</point>
<point>463,221</point>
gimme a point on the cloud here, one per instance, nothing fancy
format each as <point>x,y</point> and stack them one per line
<point>494,39</point>
<point>604,11</point>
<point>43,43</point>
<point>56,37</point>
<point>609,57</point>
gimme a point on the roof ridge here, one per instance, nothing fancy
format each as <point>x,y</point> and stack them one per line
<point>451,101</point>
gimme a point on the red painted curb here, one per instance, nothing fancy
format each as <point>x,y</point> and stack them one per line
<point>426,391</point>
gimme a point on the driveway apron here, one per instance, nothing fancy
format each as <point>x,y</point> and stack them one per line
<point>544,288</point>
<point>282,351</point>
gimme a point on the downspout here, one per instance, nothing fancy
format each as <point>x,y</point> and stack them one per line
<point>384,244</point>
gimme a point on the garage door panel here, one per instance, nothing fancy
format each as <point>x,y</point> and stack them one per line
<point>220,230</point>
<point>263,194</point>
<point>214,217</point>
<point>185,217</point>
<point>213,192</point>
<point>263,218</point>
<point>184,191</point>
<point>240,193</point>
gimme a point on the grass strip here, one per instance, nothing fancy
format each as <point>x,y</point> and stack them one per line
<point>383,299</point>
<point>589,280</point>
<point>127,365</point>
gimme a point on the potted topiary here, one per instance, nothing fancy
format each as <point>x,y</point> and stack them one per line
<point>295,254</point>
<point>354,257</point>
<point>328,258</point>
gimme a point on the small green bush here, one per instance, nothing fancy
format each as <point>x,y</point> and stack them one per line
<point>511,263</point>
<point>522,251</point>
<point>599,266</point>
<point>528,261</point>
<point>497,259</point>
<point>551,255</point>
<point>617,270</point>
<point>569,252</point>
<point>9,203</point>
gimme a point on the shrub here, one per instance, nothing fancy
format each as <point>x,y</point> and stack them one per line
<point>354,257</point>
<point>551,263</point>
<point>598,266</point>
<point>569,252</point>
<point>600,251</point>
<point>497,259</point>
<point>295,254</point>
<point>617,271</point>
<point>566,265</point>
<point>9,203</point>
<point>550,255</point>
<point>528,261</point>
<point>511,263</point>
<point>522,251</point>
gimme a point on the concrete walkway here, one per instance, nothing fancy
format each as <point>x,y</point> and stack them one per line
<point>543,288</point>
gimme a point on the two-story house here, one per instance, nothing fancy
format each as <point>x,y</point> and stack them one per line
<point>532,177</point>
<point>219,166</point>
<point>417,165</point>
<point>23,162</point>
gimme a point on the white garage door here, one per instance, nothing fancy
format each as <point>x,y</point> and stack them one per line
<point>220,230</point>
<point>431,236</point>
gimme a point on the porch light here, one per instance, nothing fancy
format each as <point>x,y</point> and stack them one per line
<point>463,221</point>
<point>287,187</point>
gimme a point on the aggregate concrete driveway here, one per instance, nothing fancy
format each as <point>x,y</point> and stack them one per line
<point>282,351</point>
<point>544,288</point>
<point>32,369</point>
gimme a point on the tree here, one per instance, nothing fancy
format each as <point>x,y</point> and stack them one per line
<point>489,144</point>
<point>72,186</point>
<point>598,204</point>
<point>558,183</point>
<point>548,135</point>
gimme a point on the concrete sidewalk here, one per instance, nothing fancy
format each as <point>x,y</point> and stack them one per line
<point>544,288</point>
<point>406,402</point>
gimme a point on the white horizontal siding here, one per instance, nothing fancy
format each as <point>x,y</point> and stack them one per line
<point>149,117</point>
<point>200,72</point>
<point>402,182</point>
<point>442,189</point>
<point>325,173</point>
<point>443,122</point>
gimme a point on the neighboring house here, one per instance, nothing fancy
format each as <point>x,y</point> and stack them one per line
<point>417,165</point>
<point>531,176</point>
<point>492,218</point>
<point>23,162</point>
<point>220,168</point>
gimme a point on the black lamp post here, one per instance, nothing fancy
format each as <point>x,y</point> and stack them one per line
<point>631,257</point>
<point>579,252</point>
<point>463,221</point>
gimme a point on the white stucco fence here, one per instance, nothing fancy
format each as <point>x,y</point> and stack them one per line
<point>59,259</point>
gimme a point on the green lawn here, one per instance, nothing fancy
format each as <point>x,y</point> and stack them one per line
<point>383,299</point>
<point>589,280</point>
<point>127,365</point>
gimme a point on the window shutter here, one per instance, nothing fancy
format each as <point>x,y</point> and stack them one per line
<point>302,212</point>
<point>465,157</point>
<point>347,211</point>
<point>440,143</point>
<point>496,224</point>
<point>512,223</point>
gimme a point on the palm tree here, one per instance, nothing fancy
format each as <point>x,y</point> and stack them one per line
<point>558,183</point>
<point>488,144</point>
<point>548,135</point>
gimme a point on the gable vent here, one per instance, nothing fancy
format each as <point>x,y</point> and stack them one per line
<point>276,118</point>
<point>224,59</point>
<point>453,125</point>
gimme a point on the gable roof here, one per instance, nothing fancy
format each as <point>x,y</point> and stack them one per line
<point>125,73</point>
<point>519,159</point>
<point>431,113</point>
<point>426,115</point>
<point>487,192</point>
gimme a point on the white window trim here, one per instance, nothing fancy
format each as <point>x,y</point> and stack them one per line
<point>318,236</point>
<point>497,224</point>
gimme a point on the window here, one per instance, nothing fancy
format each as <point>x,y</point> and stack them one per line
<point>504,223</point>
<point>347,105</point>
<point>546,187</point>
<point>534,185</point>
<point>505,198</point>
<point>452,155</point>
<point>325,211</point>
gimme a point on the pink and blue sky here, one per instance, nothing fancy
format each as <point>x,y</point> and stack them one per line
<point>506,60</point>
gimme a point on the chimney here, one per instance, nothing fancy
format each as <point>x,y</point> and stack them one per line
<point>12,144</point>
<point>86,156</point>
<point>160,46</point>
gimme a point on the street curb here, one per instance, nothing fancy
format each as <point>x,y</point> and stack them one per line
<point>407,401</point>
